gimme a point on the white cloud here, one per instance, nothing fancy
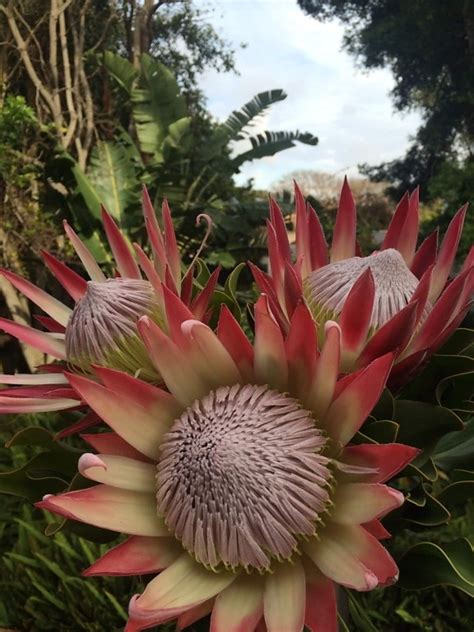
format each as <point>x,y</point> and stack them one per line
<point>349,110</point>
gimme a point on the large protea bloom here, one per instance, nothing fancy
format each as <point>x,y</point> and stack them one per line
<point>239,484</point>
<point>398,298</point>
<point>101,328</point>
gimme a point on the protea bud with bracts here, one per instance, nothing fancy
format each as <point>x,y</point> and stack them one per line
<point>399,298</point>
<point>101,328</point>
<point>238,486</point>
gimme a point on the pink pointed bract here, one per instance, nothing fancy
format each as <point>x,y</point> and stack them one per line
<point>238,486</point>
<point>399,298</point>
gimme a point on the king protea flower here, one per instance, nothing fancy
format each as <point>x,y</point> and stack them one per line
<point>239,485</point>
<point>101,328</point>
<point>398,298</point>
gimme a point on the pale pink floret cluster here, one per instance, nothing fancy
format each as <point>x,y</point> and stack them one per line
<point>238,448</point>
<point>106,315</point>
<point>238,485</point>
<point>397,299</point>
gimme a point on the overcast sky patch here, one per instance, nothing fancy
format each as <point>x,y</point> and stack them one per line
<point>349,110</point>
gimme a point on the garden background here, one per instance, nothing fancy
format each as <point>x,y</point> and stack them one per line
<point>99,98</point>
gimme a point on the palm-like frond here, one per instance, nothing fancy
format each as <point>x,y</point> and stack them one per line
<point>233,127</point>
<point>239,119</point>
<point>270,143</point>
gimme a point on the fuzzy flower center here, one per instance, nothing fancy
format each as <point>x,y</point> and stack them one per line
<point>103,323</point>
<point>241,476</point>
<point>327,288</point>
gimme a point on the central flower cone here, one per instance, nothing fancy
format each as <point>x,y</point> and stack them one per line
<point>241,475</point>
<point>327,288</point>
<point>103,326</point>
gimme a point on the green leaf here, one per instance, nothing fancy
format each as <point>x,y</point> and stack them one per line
<point>455,391</point>
<point>417,495</point>
<point>385,407</point>
<point>230,287</point>
<point>157,104</point>
<point>460,343</point>
<point>112,179</point>
<point>116,606</point>
<point>222,298</point>
<point>457,493</point>
<point>456,357</point>
<point>178,134</point>
<point>423,424</point>
<point>46,472</point>
<point>88,191</point>
<point>46,593</point>
<point>221,258</point>
<point>429,514</point>
<point>383,431</point>
<point>426,469</point>
<point>202,273</point>
<point>462,475</point>
<point>120,69</point>
<point>343,625</point>
<point>53,566</point>
<point>86,224</point>
<point>257,106</point>
<point>456,449</point>
<point>427,564</point>
<point>270,143</point>
<point>359,615</point>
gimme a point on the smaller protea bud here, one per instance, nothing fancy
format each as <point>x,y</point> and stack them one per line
<point>102,328</point>
<point>326,289</point>
<point>400,299</point>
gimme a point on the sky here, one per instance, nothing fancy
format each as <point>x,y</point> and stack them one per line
<point>346,107</point>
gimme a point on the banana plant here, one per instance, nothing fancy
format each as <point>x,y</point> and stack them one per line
<point>158,107</point>
<point>157,152</point>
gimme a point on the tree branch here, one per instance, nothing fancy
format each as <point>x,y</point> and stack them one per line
<point>30,69</point>
<point>71,106</point>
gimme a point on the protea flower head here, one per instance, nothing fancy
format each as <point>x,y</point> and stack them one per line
<point>398,298</point>
<point>101,328</point>
<point>239,485</point>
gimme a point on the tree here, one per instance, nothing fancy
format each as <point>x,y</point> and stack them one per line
<point>52,57</point>
<point>429,46</point>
